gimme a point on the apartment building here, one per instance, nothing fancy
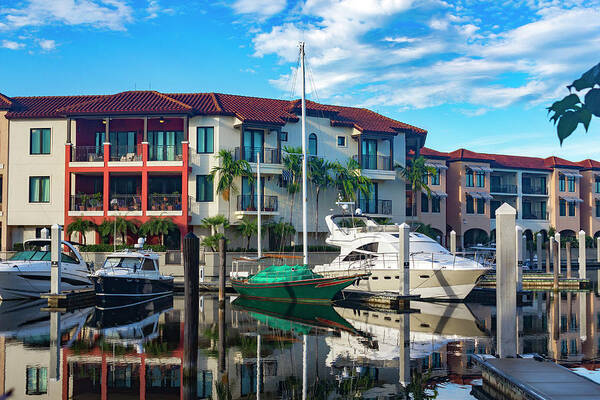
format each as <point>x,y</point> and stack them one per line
<point>546,192</point>
<point>5,105</point>
<point>143,154</point>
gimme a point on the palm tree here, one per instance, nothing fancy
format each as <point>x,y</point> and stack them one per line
<point>157,226</point>
<point>292,161</point>
<point>80,226</point>
<point>123,226</point>
<point>212,241</point>
<point>247,228</point>
<point>319,177</point>
<point>226,173</point>
<point>214,222</point>
<point>415,174</point>
<point>281,230</point>
<point>349,181</point>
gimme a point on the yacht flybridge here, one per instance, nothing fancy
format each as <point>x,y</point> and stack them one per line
<point>27,273</point>
<point>367,246</point>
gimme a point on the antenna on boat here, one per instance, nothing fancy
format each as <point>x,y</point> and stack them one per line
<point>304,199</point>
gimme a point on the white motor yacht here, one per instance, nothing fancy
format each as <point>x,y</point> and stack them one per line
<point>365,245</point>
<point>27,273</point>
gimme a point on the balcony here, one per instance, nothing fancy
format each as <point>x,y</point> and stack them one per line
<point>376,167</point>
<point>126,153</point>
<point>164,204</point>
<point>270,163</point>
<point>503,188</point>
<point>87,154</point>
<point>165,153</point>
<point>535,189</point>
<point>375,207</point>
<point>246,205</point>
<point>86,205</point>
<point>125,205</point>
<point>536,214</point>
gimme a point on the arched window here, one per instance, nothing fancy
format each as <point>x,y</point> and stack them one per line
<point>312,144</point>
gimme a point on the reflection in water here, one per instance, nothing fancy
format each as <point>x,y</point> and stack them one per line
<point>257,349</point>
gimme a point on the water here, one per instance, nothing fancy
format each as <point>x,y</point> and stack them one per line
<point>136,353</point>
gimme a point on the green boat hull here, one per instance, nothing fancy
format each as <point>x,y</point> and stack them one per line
<point>318,290</point>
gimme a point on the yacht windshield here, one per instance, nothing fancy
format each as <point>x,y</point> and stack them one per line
<point>122,262</point>
<point>40,255</point>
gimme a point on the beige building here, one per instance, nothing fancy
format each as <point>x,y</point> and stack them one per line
<point>5,104</point>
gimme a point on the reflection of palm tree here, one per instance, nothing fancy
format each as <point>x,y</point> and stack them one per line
<point>419,387</point>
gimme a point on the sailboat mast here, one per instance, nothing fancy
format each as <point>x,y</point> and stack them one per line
<point>304,169</point>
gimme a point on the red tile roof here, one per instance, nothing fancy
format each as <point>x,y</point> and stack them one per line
<point>247,109</point>
<point>430,153</point>
<point>589,164</point>
<point>5,102</point>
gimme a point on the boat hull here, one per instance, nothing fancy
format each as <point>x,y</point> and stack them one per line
<point>18,285</point>
<point>317,290</point>
<point>116,291</point>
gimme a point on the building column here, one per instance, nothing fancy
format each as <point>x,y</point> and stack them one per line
<point>145,188</point>
<point>184,187</point>
<point>519,195</point>
<point>67,207</point>
<point>106,178</point>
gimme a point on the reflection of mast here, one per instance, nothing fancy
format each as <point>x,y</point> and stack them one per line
<point>2,364</point>
<point>258,366</point>
<point>304,365</point>
<point>555,324</point>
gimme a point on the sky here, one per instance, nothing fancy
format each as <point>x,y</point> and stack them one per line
<point>475,74</point>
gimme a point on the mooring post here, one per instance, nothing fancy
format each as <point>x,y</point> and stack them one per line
<point>581,260</point>
<point>453,242</point>
<point>551,246</point>
<point>548,257</point>
<point>568,255</point>
<point>403,259</point>
<point>557,255</point>
<point>191,252</point>
<point>538,245</point>
<point>222,260</point>
<point>55,261</point>
<point>519,256</point>
<point>555,267</point>
<point>506,281</point>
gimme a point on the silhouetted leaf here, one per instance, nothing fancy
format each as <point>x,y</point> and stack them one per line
<point>588,79</point>
<point>563,105</point>
<point>567,124</point>
<point>592,101</point>
<point>585,116</point>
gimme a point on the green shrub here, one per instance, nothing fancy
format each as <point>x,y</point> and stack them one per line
<point>108,248</point>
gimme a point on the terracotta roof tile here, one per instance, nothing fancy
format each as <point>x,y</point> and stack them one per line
<point>43,107</point>
<point>589,164</point>
<point>554,162</point>
<point>513,162</point>
<point>5,102</point>
<point>430,153</point>
<point>132,102</point>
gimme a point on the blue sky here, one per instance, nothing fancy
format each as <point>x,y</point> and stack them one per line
<point>475,74</point>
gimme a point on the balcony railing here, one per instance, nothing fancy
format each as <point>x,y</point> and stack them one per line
<point>375,206</point>
<point>164,202</point>
<point>125,153</point>
<point>536,214</point>
<point>86,202</point>
<point>535,189</point>
<point>87,153</point>
<point>165,153</point>
<point>503,188</point>
<point>125,202</point>
<point>247,202</point>
<point>268,155</point>
<point>372,161</point>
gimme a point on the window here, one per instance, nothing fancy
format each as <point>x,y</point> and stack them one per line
<point>561,183</point>
<point>204,188</point>
<point>425,178</point>
<point>204,137</point>
<point>480,206</point>
<point>312,144</point>
<point>341,141</point>
<point>571,182</point>
<point>37,381</point>
<point>39,189</point>
<point>205,384</point>
<point>470,205</point>
<point>435,177</point>
<point>470,178</point>
<point>562,207</point>
<point>165,145</point>
<point>424,203</point>
<point>597,184</point>
<point>571,209</point>
<point>99,140</point>
<point>481,179</point>
<point>253,141</point>
<point>122,143</point>
<point>597,208</point>
<point>435,205</point>
<point>39,142</point>
<point>283,136</point>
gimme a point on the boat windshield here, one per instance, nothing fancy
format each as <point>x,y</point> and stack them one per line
<point>40,255</point>
<point>122,262</point>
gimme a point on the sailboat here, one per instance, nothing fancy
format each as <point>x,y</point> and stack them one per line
<point>296,283</point>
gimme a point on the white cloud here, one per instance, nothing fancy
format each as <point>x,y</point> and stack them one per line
<point>11,45</point>
<point>47,44</point>
<point>263,8</point>
<point>154,9</point>
<point>108,14</point>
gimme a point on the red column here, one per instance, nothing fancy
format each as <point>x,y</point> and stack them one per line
<point>144,178</point>
<point>67,185</point>
<point>65,371</point>
<point>105,186</point>
<point>184,188</point>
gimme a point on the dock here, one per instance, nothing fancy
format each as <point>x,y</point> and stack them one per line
<point>531,378</point>
<point>541,281</point>
<point>69,300</point>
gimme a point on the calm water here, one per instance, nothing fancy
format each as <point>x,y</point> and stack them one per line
<point>136,353</point>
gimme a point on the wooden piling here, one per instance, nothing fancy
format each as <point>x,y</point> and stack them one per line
<point>548,257</point>
<point>568,254</point>
<point>191,252</point>
<point>222,271</point>
<point>538,245</point>
<point>582,257</point>
<point>556,265</point>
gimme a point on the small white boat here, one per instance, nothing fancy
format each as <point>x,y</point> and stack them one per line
<point>128,277</point>
<point>27,273</point>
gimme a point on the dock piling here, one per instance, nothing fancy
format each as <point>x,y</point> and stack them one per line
<point>548,251</point>
<point>453,243</point>
<point>519,256</point>
<point>191,252</point>
<point>55,251</point>
<point>582,259</point>
<point>558,256</point>
<point>556,265</point>
<point>568,254</point>
<point>538,244</point>
<point>222,261</point>
<point>506,281</point>
<point>403,260</point>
